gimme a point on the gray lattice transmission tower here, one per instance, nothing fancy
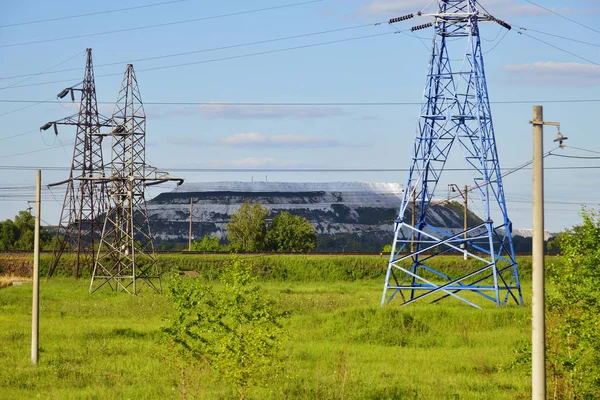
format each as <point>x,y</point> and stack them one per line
<point>85,198</point>
<point>126,255</point>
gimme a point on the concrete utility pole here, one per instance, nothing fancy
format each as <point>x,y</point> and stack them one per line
<point>454,188</point>
<point>190,233</point>
<point>414,208</point>
<point>35,311</point>
<point>538,318</point>
<point>465,225</point>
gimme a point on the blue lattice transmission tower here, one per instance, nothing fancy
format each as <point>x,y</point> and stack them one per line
<point>455,111</point>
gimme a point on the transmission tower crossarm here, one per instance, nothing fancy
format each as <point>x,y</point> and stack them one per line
<point>103,122</point>
<point>160,181</point>
<point>59,183</point>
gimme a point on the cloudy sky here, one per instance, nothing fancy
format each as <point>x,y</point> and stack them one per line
<point>238,90</point>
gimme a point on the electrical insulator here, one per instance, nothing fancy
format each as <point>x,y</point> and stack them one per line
<point>499,22</point>
<point>419,27</point>
<point>64,93</point>
<point>504,24</point>
<point>46,126</point>
<point>402,18</point>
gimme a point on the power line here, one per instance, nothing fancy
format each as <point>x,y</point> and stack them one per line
<point>264,53</point>
<point>26,107</point>
<point>563,16</point>
<point>306,170</point>
<point>558,48</point>
<point>200,51</point>
<point>161,25</point>
<point>558,202</point>
<point>47,70</point>
<point>556,36</point>
<point>303,104</point>
<point>35,151</point>
<point>223,58</point>
<point>39,21</point>
<point>580,149</point>
<point>18,134</point>
<point>579,157</point>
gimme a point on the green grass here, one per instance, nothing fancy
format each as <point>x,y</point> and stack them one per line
<point>270,267</point>
<point>341,345</point>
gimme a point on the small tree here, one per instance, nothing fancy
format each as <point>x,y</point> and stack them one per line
<point>291,234</point>
<point>235,330</point>
<point>207,244</point>
<point>574,313</point>
<point>247,228</point>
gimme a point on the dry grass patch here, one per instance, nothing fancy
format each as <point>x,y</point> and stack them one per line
<point>8,280</point>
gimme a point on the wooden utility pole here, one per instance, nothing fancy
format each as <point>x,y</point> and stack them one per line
<point>35,311</point>
<point>190,232</point>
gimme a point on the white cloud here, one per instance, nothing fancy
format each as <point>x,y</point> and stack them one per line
<point>555,73</point>
<point>389,7</point>
<point>258,140</point>
<point>503,8</point>
<point>253,139</point>
<point>268,111</point>
<point>187,141</point>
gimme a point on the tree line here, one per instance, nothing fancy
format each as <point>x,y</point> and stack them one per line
<point>249,230</point>
<point>19,234</point>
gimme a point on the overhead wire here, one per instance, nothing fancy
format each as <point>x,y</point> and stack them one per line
<point>497,43</point>
<point>274,170</point>
<point>580,149</point>
<point>445,201</point>
<point>576,157</point>
<point>558,48</point>
<point>39,21</point>
<point>202,50</point>
<point>29,106</point>
<point>43,72</point>
<point>556,36</point>
<point>267,52</point>
<point>36,151</point>
<point>18,134</point>
<point>161,24</point>
<point>221,58</point>
<point>304,104</point>
<point>563,16</point>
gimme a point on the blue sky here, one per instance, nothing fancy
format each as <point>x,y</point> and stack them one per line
<point>385,67</point>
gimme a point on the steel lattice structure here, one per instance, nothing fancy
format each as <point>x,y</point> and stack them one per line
<point>126,252</point>
<point>455,108</point>
<point>85,199</point>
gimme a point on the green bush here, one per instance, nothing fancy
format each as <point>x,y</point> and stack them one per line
<point>235,329</point>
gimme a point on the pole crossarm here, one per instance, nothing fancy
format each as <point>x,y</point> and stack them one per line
<point>455,111</point>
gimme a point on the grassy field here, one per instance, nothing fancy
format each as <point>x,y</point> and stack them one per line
<point>341,345</point>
